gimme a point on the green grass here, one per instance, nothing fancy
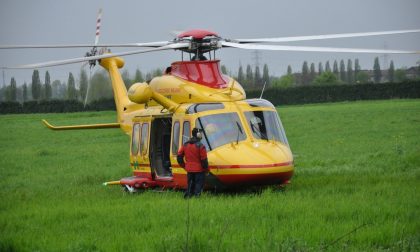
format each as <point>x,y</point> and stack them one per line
<point>356,188</point>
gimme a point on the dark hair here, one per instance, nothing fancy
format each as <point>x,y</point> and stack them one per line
<point>194,132</point>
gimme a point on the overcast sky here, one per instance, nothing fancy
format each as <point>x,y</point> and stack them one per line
<point>67,22</point>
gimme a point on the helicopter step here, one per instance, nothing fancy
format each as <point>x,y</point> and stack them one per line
<point>138,182</point>
<point>132,184</point>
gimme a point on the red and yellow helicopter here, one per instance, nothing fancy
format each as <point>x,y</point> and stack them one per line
<point>245,139</point>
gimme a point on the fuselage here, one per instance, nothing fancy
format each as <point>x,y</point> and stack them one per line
<point>245,139</point>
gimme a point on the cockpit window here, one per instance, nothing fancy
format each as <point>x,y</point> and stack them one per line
<point>259,103</point>
<point>220,129</point>
<point>266,125</point>
<point>200,107</point>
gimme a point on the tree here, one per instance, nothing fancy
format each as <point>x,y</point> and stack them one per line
<point>36,85</point>
<point>391,72</point>
<point>12,90</point>
<point>100,86</point>
<point>342,71</point>
<point>400,75</point>
<point>327,67</point>
<point>320,68</point>
<point>350,75</point>
<point>157,72</point>
<point>285,81</point>
<point>357,67</point>
<point>362,77</point>
<point>224,69</point>
<point>257,77</point>
<point>249,76</point>
<point>305,73</point>
<point>266,76</point>
<point>125,75</point>
<point>83,85</point>
<point>241,76</point>
<point>377,74</point>
<point>312,73</point>
<point>326,78</point>
<point>59,90</point>
<point>71,88</point>
<point>138,77</point>
<point>289,69</point>
<point>25,92</point>
<point>335,68</point>
<point>149,76</point>
<point>48,91</point>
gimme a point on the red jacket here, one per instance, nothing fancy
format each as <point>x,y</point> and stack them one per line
<point>195,156</point>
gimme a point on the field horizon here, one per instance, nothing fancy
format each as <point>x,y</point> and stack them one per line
<point>355,188</point>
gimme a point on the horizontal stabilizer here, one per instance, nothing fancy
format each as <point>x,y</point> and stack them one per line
<point>87,126</point>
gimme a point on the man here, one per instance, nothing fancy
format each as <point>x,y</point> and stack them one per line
<point>195,164</point>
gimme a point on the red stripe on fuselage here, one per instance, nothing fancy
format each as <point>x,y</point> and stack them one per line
<point>245,166</point>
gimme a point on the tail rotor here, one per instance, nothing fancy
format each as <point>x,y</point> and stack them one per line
<point>93,52</point>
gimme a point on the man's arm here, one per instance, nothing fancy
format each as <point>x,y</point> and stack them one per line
<point>180,157</point>
<point>203,157</point>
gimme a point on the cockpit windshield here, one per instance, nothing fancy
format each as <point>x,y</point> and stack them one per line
<point>220,129</point>
<point>266,125</point>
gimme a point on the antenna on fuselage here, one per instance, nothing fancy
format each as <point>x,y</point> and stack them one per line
<point>262,91</point>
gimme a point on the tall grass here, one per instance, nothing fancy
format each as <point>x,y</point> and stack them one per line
<point>355,188</point>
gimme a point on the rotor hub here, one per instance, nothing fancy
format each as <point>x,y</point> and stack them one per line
<point>201,41</point>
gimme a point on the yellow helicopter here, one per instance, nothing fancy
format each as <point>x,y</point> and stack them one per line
<point>245,140</point>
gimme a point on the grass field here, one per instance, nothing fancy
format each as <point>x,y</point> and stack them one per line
<point>356,188</point>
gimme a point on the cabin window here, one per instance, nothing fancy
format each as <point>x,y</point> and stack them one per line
<point>144,138</point>
<point>135,139</point>
<point>175,138</point>
<point>200,107</point>
<point>266,125</point>
<point>186,131</point>
<point>220,129</point>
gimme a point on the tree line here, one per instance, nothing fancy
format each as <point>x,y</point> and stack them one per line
<point>84,87</point>
<point>341,73</point>
<point>97,86</point>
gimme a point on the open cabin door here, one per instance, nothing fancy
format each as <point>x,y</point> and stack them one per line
<point>139,158</point>
<point>160,143</point>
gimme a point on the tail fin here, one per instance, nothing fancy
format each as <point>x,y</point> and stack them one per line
<point>120,91</point>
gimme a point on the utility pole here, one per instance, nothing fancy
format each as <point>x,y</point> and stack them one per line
<point>385,57</point>
<point>256,58</point>
<point>4,81</point>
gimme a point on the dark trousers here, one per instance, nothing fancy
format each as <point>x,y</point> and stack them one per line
<point>195,183</point>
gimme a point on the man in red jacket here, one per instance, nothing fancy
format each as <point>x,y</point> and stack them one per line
<point>195,164</point>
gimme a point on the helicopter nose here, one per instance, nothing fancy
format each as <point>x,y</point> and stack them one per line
<point>252,163</point>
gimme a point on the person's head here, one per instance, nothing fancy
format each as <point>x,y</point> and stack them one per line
<point>196,133</point>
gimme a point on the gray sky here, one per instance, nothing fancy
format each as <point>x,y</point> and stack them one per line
<point>66,22</point>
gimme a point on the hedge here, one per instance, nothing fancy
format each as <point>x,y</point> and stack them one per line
<point>55,106</point>
<point>278,96</point>
<point>337,93</point>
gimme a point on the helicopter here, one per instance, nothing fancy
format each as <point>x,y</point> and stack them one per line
<point>245,139</point>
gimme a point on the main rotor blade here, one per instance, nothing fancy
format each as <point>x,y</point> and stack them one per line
<point>148,44</point>
<point>313,49</point>
<point>320,37</point>
<point>98,57</point>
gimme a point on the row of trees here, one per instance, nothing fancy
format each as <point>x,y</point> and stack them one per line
<point>251,78</point>
<point>341,74</point>
<point>74,89</point>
